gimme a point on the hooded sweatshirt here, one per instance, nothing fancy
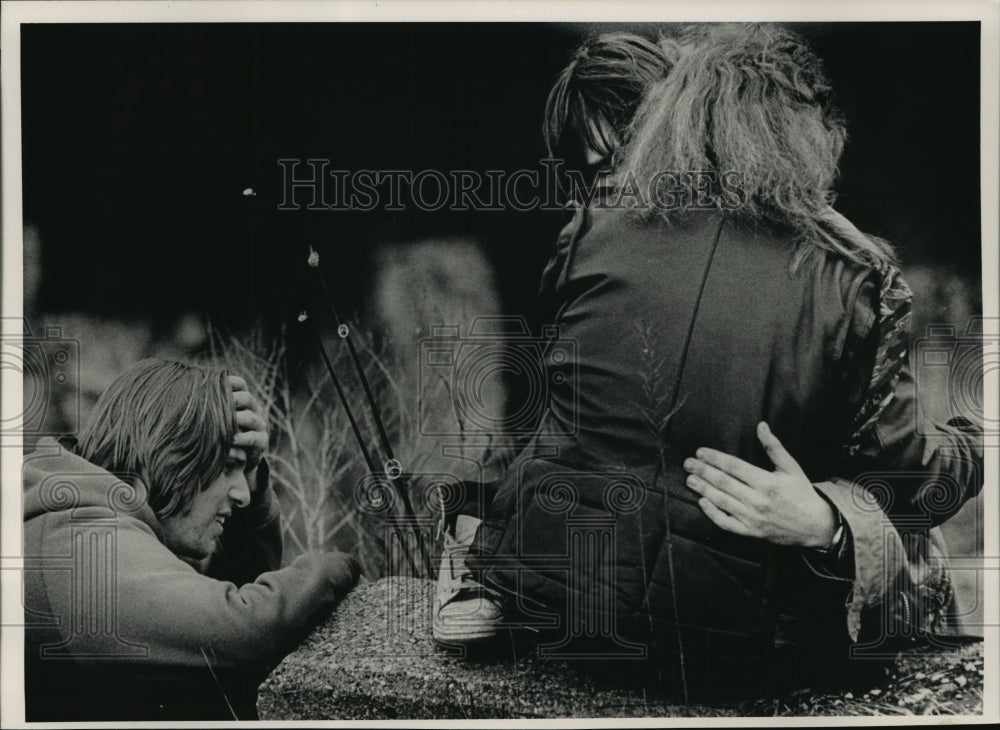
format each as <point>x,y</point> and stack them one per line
<point>121,628</point>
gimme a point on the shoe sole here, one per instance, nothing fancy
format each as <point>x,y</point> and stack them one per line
<point>460,636</point>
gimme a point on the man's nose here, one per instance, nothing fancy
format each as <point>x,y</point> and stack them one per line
<point>240,491</point>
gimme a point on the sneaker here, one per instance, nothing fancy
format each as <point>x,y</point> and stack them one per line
<point>465,611</point>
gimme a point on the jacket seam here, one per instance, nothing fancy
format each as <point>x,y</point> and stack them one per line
<point>668,531</point>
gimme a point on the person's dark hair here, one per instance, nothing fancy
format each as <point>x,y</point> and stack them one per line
<point>170,423</point>
<point>593,99</point>
<point>755,101</point>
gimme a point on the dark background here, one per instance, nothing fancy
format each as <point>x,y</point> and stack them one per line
<point>139,140</point>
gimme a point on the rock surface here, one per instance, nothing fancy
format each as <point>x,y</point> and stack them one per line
<point>374,658</point>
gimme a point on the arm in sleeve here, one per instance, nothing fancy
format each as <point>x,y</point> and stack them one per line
<point>181,615</point>
<point>871,555</point>
<point>939,466</point>
<point>898,569</point>
<point>931,469</point>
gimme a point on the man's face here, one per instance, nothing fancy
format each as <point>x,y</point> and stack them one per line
<point>193,534</point>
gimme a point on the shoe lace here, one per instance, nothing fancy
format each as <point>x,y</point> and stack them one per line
<point>470,588</point>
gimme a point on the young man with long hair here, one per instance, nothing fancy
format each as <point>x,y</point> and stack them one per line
<point>157,591</point>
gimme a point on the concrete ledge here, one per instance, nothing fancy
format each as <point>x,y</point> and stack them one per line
<point>374,658</point>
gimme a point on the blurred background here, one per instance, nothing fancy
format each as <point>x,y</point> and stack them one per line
<point>152,191</point>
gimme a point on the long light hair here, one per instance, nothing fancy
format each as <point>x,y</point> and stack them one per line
<point>755,101</point>
<point>170,423</point>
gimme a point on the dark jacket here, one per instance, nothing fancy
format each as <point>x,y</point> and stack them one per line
<point>686,336</point>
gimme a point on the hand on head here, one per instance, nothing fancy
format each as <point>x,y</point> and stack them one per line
<point>251,425</point>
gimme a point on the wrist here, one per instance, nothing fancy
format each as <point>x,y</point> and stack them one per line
<point>829,539</point>
<point>821,527</point>
<point>258,479</point>
<point>263,505</point>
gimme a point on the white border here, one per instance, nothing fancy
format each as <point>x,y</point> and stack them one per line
<point>16,13</point>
